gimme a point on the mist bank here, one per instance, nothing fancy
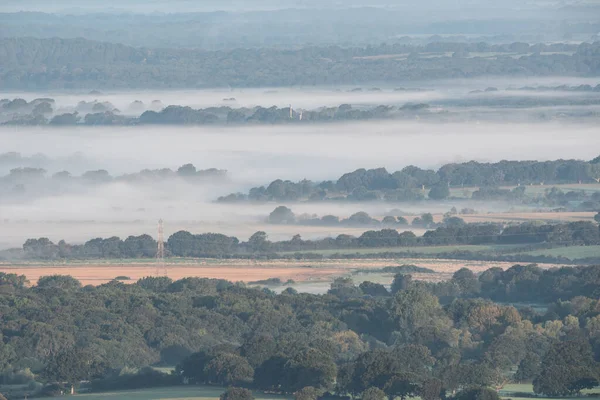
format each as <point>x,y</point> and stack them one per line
<point>35,64</point>
<point>255,155</point>
<point>24,184</point>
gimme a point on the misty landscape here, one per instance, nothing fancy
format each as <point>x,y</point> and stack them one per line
<point>317,200</point>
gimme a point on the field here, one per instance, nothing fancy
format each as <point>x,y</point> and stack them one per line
<point>531,190</point>
<point>572,252</point>
<point>202,393</point>
<point>419,249</point>
<point>301,271</point>
<point>169,393</point>
<point>509,389</point>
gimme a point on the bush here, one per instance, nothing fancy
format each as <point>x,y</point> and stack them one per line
<point>373,393</point>
<point>307,393</point>
<point>237,393</point>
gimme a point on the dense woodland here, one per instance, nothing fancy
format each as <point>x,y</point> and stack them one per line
<point>28,63</point>
<point>412,183</point>
<point>288,25</point>
<point>428,339</point>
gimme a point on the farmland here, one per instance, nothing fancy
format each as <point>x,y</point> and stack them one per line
<point>169,393</point>
<point>300,271</point>
<point>206,393</point>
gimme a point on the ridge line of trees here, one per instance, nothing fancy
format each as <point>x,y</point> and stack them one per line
<point>186,244</point>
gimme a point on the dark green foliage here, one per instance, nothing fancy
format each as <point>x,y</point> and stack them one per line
<point>282,215</point>
<point>185,244</point>
<point>307,393</point>
<point>477,394</point>
<point>424,340</point>
<point>373,393</point>
<point>73,365</point>
<point>309,367</point>
<point>236,393</point>
<point>401,281</point>
<point>529,368</point>
<point>567,368</point>
<point>145,378</point>
<point>404,185</point>
<point>54,282</point>
<point>373,289</point>
<point>597,217</point>
<point>439,191</point>
<point>227,369</point>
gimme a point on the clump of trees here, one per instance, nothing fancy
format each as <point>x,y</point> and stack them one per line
<point>284,215</point>
<point>410,183</point>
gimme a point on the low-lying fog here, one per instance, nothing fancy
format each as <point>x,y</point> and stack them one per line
<point>255,155</point>
<point>312,98</point>
<point>259,154</point>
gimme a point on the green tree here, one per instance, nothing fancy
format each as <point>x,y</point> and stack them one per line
<point>73,365</point>
<point>401,282</point>
<point>258,242</point>
<point>431,389</point>
<point>227,369</point>
<point>467,281</point>
<point>477,394</point>
<point>307,393</point>
<point>529,368</point>
<point>597,217</point>
<point>310,367</point>
<point>567,368</point>
<point>373,393</point>
<point>439,191</point>
<point>282,215</point>
<point>237,393</point>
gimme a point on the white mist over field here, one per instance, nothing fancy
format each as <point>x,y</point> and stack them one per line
<point>313,98</point>
<point>258,154</point>
<point>255,155</point>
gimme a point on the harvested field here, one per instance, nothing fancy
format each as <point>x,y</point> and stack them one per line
<point>96,273</point>
<point>530,216</point>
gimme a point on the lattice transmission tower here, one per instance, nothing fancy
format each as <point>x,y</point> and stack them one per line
<point>161,267</point>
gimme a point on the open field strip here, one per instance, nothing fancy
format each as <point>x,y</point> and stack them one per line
<point>96,273</point>
<point>190,392</point>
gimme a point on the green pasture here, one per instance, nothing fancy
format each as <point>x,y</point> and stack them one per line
<point>571,252</point>
<point>416,249</point>
<point>190,392</point>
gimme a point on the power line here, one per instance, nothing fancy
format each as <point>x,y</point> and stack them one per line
<point>161,267</point>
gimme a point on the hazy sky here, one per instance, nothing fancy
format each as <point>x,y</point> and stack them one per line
<point>175,6</point>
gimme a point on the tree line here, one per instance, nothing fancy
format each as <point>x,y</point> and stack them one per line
<point>186,244</point>
<point>41,112</point>
<point>412,183</point>
<point>30,63</point>
<point>34,181</point>
<point>433,340</point>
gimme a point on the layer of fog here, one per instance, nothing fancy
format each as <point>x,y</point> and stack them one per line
<point>255,155</point>
<point>259,154</point>
<point>432,92</point>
